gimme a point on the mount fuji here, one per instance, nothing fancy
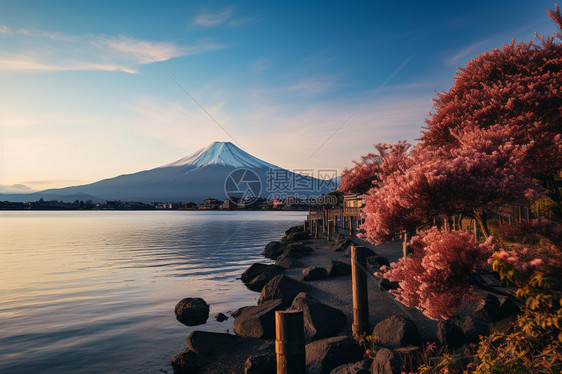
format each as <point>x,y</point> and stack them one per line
<point>199,176</point>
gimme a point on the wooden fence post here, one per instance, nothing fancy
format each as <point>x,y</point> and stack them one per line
<point>405,249</point>
<point>289,342</point>
<point>360,293</point>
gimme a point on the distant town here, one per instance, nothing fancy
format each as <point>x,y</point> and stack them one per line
<point>208,204</point>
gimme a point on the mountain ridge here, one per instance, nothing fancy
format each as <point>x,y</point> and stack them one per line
<point>199,176</point>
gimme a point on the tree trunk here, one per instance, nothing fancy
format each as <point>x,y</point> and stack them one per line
<point>481,219</point>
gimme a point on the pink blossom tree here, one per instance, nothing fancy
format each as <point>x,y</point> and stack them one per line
<point>435,278</point>
<point>515,90</point>
<point>366,173</point>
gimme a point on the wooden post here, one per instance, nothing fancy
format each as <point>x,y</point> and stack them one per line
<point>328,232</point>
<point>405,249</point>
<point>360,294</point>
<point>315,229</point>
<point>289,342</point>
<point>351,225</point>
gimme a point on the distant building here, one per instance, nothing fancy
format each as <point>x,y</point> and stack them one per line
<point>210,204</point>
<point>230,204</point>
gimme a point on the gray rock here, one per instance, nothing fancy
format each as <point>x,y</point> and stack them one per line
<point>221,317</point>
<point>288,262</point>
<point>297,250</point>
<point>323,356</point>
<point>367,251</point>
<point>337,268</point>
<point>314,273</point>
<point>343,245</point>
<point>293,229</point>
<point>257,275</point>
<point>192,311</point>
<point>296,237</point>
<point>207,343</point>
<point>281,287</point>
<point>450,334</point>
<point>361,367</point>
<point>386,362</point>
<point>258,321</point>
<point>397,331</point>
<point>273,250</point>
<point>320,320</point>
<point>261,364</point>
<point>187,362</point>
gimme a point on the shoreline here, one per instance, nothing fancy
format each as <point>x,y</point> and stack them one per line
<point>333,291</point>
<point>325,296</point>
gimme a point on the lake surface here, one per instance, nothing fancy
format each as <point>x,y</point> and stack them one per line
<point>94,291</point>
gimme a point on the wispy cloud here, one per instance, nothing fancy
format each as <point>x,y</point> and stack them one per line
<point>315,85</point>
<point>261,66</point>
<point>4,30</point>
<point>55,51</point>
<point>469,51</point>
<point>214,19</point>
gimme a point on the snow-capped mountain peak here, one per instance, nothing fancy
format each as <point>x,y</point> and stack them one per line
<point>221,153</point>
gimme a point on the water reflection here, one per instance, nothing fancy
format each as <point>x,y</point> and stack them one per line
<point>95,291</point>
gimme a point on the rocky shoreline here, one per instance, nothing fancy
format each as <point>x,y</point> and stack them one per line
<point>314,275</point>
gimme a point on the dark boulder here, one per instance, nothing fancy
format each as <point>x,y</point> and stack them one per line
<point>281,287</point>
<point>192,311</point>
<point>296,237</point>
<point>288,262</point>
<point>489,309</point>
<point>253,271</point>
<point>187,362</point>
<point>207,343</point>
<point>386,362</point>
<point>397,331</point>
<point>343,245</point>
<point>448,333</point>
<point>314,273</point>
<point>273,250</point>
<point>361,367</point>
<point>323,356</point>
<point>221,317</point>
<point>508,308</point>
<point>257,275</point>
<point>294,229</point>
<point>261,364</point>
<point>339,239</point>
<point>337,268</point>
<point>237,312</point>
<point>320,320</point>
<point>297,250</point>
<point>474,327</point>
<point>367,251</point>
<point>258,321</point>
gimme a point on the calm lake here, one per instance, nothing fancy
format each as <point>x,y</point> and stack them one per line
<point>94,292</point>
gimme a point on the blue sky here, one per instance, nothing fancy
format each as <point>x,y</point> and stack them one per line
<point>90,90</point>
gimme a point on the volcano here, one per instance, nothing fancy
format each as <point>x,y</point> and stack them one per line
<point>219,171</point>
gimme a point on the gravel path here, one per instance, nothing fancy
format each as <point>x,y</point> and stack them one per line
<point>337,291</point>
